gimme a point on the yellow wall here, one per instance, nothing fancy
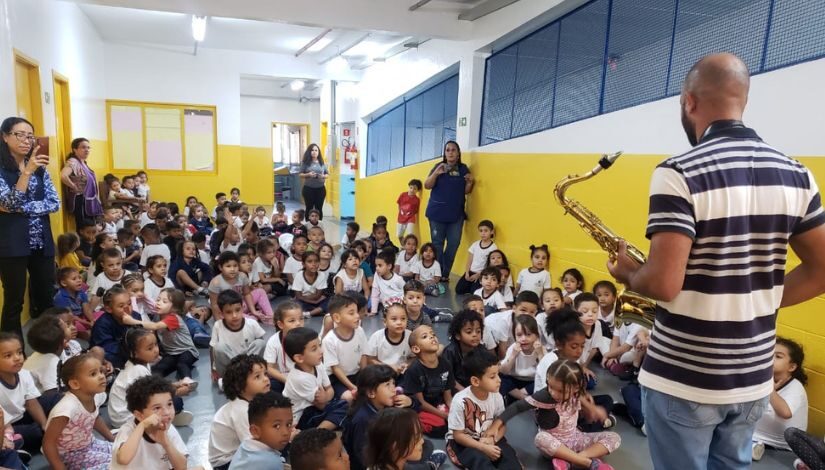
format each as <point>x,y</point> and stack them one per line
<point>515,191</point>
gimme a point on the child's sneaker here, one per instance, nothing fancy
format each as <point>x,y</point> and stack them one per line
<point>596,464</point>
<point>307,315</point>
<point>758,451</point>
<point>559,464</point>
<point>184,418</point>
<point>444,316</point>
<point>610,421</point>
<point>437,459</point>
<point>798,464</point>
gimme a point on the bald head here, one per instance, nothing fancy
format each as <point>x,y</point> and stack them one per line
<point>720,83</point>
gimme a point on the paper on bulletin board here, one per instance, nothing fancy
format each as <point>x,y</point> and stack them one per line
<point>164,155</point>
<point>126,118</point>
<point>199,136</point>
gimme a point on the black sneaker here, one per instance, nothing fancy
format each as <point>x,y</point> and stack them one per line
<point>25,457</point>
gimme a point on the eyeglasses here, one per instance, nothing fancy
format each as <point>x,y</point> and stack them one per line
<point>23,137</point>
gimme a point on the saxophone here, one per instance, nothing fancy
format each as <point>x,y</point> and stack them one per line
<point>633,307</point>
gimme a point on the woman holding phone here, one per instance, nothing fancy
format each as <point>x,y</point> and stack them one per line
<point>315,174</point>
<point>27,197</point>
<point>449,182</point>
<point>80,183</point>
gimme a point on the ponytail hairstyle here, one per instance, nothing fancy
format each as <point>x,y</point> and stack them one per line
<point>796,355</point>
<point>76,145</point>
<point>563,324</point>
<point>504,262</point>
<point>109,295</point>
<point>68,369</point>
<point>534,249</point>
<point>570,374</point>
<point>444,153</point>
<point>605,285</point>
<point>131,340</point>
<point>130,279</point>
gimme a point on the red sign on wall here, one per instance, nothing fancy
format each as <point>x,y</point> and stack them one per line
<point>346,132</point>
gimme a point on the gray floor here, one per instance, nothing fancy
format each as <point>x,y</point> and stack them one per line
<point>633,453</point>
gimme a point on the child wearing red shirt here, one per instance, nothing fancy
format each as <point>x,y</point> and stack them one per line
<point>408,203</point>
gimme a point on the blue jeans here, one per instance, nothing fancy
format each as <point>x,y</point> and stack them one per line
<point>687,435</point>
<point>451,233</point>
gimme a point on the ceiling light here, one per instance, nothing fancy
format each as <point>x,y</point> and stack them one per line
<point>297,85</point>
<point>199,28</point>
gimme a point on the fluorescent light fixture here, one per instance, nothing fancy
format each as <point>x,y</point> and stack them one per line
<point>297,85</point>
<point>199,28</point>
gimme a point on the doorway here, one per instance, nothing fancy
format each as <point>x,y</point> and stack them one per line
<point>63,126</point>
<point>289,140</point>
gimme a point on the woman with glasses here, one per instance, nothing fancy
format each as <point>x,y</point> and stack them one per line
<point>80,183</point>
<point>27,197</point>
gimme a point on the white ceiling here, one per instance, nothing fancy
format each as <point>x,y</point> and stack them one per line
<point>278,88</point>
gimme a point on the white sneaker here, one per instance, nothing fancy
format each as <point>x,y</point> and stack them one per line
<point>644,430</point>
<point>758,451</point>
<point>184,418</point>
<point>307,314</point>
<point>798,464</point>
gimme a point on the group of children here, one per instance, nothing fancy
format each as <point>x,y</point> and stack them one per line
<point>131,289</point>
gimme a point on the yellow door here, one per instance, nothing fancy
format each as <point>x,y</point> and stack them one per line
<point>63,142</point>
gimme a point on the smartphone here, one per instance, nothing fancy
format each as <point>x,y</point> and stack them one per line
<point>43,142</point>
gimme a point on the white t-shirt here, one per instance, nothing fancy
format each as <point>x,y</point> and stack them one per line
<point>770,429</point>
<point>628,334</point>
<point>292,265</point>
<point>384,289</point>
<point>43,368</point>
<point>500,325</point>
<point>480,255</point>
<point>572,295</point>
<point>237,341</point>
<point>229,427</point>
<point>148,455</point>
<point>495,299</point>
<point>344,353</point>
<point>425,273</point>
<point>302,285</point>
<point>274,354</point>
<point>233,247</point>
<point>301,387</point>
<point>110,228</point>
<point>525,365</point>
<point>144,219</point>
<point>351,284</point>
<point>72,349</point>
<point>78,431</point>
<point>204,256</point>
<point>13,400</point>
<point>143,190</point>
<point>380,347</point>
<point>540,379</point>
<point>407,265</point>
<point>118,413</point>
<point>535,282</point>
<point>487,339</point>
<point>157,249</point>
<point>152,290</point>
<point>595,341</point>
<point>473,415</point>
<point>103,281</point>
<point>547,340</point>
<point>507,293</point>
<point>258,267</point>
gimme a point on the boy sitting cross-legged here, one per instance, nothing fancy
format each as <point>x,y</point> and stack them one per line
<point>307,384</point>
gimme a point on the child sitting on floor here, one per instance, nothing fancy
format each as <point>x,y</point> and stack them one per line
<point>345,346</point>
<point>475,439</point>
<point>233,334</point>
<point>390,345</point>
<point>557,414</point>
<point>68,442</point>
<point>428,380</point>
<point>308,385</point>
<point>288,316</point>
<point>270,429</point>
<point>72,295</point>
<point>465,332</point>
<point>244,379</point>
<point>318,449</point>
<point>150,440</point>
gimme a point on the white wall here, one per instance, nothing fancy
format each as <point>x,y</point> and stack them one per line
<point>61,39</point>
<point>258,114</point>
<point>210,78</point>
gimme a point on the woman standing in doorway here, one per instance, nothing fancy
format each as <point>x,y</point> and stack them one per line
<point>80,182</point>
<point>315,174</point>
<point>449,182</point>
<point>27,197</point>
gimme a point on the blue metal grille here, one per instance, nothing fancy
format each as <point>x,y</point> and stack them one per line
<point>612,54</point>
<point>415,130</point>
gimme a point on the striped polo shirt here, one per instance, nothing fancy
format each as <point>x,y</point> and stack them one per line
<point>739,200</point>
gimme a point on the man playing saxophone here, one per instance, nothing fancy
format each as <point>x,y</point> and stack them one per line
<point>720,220</point>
